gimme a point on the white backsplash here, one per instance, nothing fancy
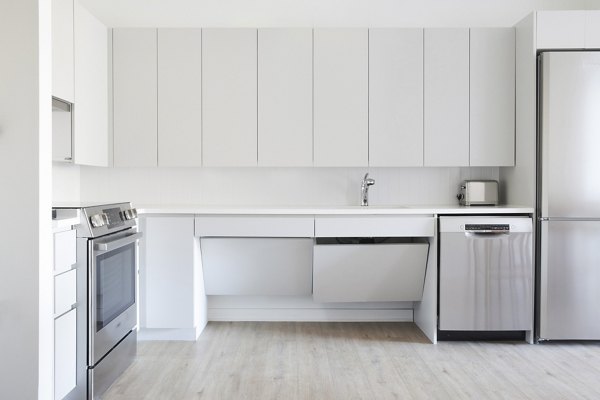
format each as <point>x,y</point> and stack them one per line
<point>66,186</point>
<point>269,186</point>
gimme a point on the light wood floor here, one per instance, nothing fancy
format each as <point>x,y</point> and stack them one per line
<point>294,360</point>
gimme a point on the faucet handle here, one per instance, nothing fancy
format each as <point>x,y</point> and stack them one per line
<point>366,176</point>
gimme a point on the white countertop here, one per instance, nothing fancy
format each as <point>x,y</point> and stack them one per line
<point>331,210</point>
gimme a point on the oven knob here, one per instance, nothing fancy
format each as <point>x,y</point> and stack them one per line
<point>129,214</point>
<point>98,220</point>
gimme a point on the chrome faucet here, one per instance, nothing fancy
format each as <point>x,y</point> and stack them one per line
<point>364,188</point>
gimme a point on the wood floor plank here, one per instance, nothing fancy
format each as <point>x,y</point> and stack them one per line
<point>331,361</point>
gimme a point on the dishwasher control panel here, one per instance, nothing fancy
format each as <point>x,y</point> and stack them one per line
<point>487,228</point>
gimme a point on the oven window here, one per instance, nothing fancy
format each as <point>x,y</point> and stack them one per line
<point>115,284</point>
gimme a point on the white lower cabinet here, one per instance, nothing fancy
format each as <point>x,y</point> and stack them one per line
<point>65,352</point>
<point>172,304</point>
<point>65,250</point>
<point>65,292</point>
<point>257,266</point>
<point>369,272</point>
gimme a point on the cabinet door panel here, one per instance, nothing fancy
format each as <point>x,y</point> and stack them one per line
<point>395,97</point>
<point>167,274</point>
<point>492,97</point>
<point>135,97</point>
<point>91,90</point>
<point>229,91</point>
<point>179,100</point>
<point>65,250</point>
<point>65,354</point>
<point>285,97</point>
<point>341,97</point>
<point>62,50</point>
<point>257,266</point>
<point>446,91</point>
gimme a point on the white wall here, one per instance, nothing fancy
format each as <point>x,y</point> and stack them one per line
<point>409,13</point>
<point>26,334</point>
<point>275,186</point>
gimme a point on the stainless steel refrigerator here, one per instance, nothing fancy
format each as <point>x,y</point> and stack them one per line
<point>569,196</point>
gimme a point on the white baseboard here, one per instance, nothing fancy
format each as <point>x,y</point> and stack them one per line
<point>305,315</point>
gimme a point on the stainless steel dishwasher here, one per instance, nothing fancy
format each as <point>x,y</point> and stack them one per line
<point>486,274</point>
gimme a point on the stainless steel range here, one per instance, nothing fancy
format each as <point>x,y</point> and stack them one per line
<point>107,267</point>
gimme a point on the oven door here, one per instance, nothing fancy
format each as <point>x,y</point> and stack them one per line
<point>112,291</point>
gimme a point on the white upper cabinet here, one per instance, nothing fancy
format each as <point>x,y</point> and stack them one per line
<point>179,99</point>
<point>446,92</point>
<point>135,97</point>
<point>341,97</point>
<point>91,89</point>
<point>492,97</point>
<point>395,97</point>
<point>62,50</point>
<point>229,97</point>
<point>561,29</point>
<point>285,136</point>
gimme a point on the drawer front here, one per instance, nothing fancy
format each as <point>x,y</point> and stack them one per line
<point>254,226</point>
<point>65,250</point>
<point>369,272</point>
<point>373,226</point>
<point>65,291</point>
<point>65,353</point>
<point>257,266</point>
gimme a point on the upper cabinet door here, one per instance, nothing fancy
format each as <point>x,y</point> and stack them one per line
<point>492,97</point>
<point>560,29</point>
<point>395,97</point>
<point>135,97</point>
<point>229,102</point>
<point>446,91</point>
<point>62,50</point>
<point>91,89</point>
<point>285,136</point>
<point>179,100</point>
<point>341,97</point>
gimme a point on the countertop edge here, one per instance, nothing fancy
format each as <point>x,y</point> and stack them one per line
<point>342,210</point>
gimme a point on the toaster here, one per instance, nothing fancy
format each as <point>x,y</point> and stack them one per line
<point>478,193</point>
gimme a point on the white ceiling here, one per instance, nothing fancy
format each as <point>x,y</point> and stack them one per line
<point>276,13</point>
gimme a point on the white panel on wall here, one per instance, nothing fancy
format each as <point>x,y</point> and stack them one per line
<point>446,92</point>
<point>395,97</point>
<point>91,89</point>
<point>135,97</point>
<point>229,132</point>
<point>285,136</point>
<point>341,97</point>
<point>492,97</point>
<point>179,97</point>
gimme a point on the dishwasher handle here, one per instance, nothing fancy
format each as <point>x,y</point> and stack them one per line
<point>486,230</point>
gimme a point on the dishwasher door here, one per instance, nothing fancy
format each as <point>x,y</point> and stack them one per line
<point>486,274</point>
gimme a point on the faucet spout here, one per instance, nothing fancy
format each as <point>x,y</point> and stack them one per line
<point>364,188</point>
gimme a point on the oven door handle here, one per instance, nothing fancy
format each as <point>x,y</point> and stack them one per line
<point>115,244</point>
